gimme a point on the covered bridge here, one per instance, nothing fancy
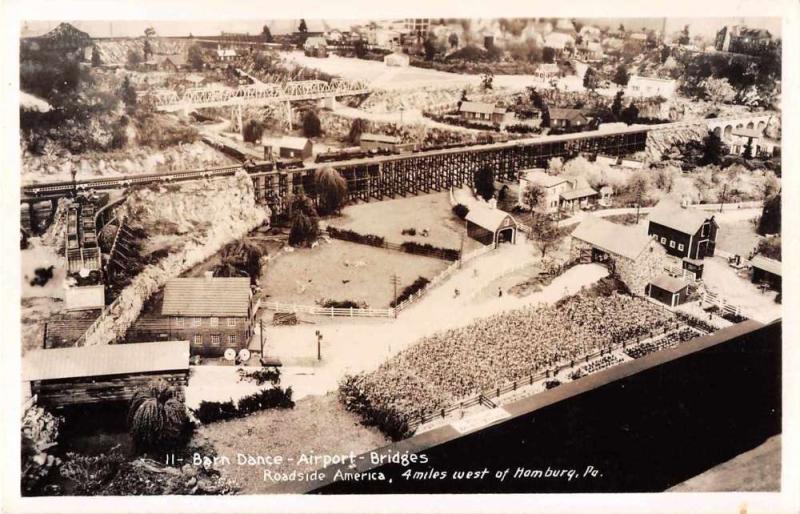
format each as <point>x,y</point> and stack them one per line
<point>103,373</point>
<point>491,226</point>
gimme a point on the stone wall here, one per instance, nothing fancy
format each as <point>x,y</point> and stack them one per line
<point>635,273</point>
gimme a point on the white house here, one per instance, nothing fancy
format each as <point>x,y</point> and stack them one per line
<point>647,87</point>
<point>760,144</point>
<point>558,192</point>
<point>559,41</point>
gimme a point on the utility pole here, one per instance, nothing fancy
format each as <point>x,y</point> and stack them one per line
<point>319,345</point>
<point>461,250</point>
<point>724,190</point>
<point>394,280</point>
<point>638,205</point>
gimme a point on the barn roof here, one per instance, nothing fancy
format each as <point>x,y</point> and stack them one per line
<point>490,219</point>
<point>481,107</point>
<point>617,239</point>
<point>207,296</point>
<point>669,284</point>
<point>103,360</point>
<point>766,264</point>
<point>295,143</point>
<point>672,215</point>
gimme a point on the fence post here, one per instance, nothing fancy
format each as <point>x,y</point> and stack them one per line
<point>351,311</point>
<point>331,312</point>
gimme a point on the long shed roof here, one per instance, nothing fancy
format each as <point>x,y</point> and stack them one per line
<point>214,296</point>
<point>103,360</point>
<point>617,239</point>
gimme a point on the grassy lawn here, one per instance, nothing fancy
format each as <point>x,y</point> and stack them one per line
<point>317,425</point>
<point>389,218</point>
<point>738,237</point>
<point>344,271</point>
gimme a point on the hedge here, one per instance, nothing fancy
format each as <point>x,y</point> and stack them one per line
<point>355,237</point>
<point>274,397</point>
<point>390,422</point>
<point>428,249</point>
<point>417,285</point>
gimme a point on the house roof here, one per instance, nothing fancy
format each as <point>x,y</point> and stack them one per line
<point>101,360</point>
<point>766,264</point>
<point>380,138</point>
<point>566,114</point>
<point>481,107</point>
<point>490,219</point>
<point>543,179</point>
<point>176,59</point>
<point>621,240</point>
<point>316,41</point>
<point>672,215</point>
<point>745,132</point>
<point>669,284</point>
<point>578,193</point>
<point>207,296</point>
<point>294,143</point>
<point>639,78</point>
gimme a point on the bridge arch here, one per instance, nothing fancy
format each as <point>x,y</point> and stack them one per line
<point>762,125</point>
<point>718,132</point>
<point>728,130</point>
<point>750,126</point>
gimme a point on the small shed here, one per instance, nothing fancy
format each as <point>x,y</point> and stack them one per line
<point>766,270</point>
<point>668,290</point>
<point>491,226</point>
<point>290,147</point>
<point>103,373</point>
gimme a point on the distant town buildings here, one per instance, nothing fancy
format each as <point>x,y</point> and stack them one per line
<point>567,119</point>
<point>316,46</point>
<point>648,87</point>
<point>743,40</point>
<point>482,111</point>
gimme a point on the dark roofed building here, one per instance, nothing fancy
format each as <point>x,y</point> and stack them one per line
<point>683,232</point>
<point>633,255</point>
<point>482,111</point>
<point>103,373</point>
<point>174,62</point>
<point>567,119</point>
<point>212,313</point>
<point>291,147</point>
<point>668,290</point>
<point>766,271</point>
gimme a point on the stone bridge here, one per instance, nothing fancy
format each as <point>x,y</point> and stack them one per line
<point>723,127</point>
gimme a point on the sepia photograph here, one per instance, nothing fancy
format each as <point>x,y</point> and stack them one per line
<point>398,255</point>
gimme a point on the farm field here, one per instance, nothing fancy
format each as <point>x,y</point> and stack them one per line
<point>389,218</point>
<point>338,270</point>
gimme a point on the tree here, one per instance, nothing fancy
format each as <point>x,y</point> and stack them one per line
<point>157,419</point>
<point>748,149</point>
<point>95,57</point>
<point>630,114</point>
<point>718,90</point>
<point>302,28</point>
<point>544,232</point>
<point>713,149</point>
<point>770,247</point>
<point>533,196</point>
<point>453,40</point>
<point>548,54</point>
<point>331,190</point>
<point>545,115</point>
<point>360,48</point>
<point>616,106</point>
<point>590,79</point>
<point>429,47</point>
<point>240,258</point>
<point>266,35</point>
<point>484,182</point>
<point>621,75</point>
<point>357,127</point>
<point>134,59</point>
<point>148,51</point>
<point>149,32</point>
<point>637,186</point>
<point>770,221</point>
<point>311,124</point>
<point>536,98</point>
<point>684,38</point>
<point>195,57</point>
<point>486,80</point>
<point>252,131</point>
<point>128,94</point>
<point>304,220</point>
<point>771,185</point>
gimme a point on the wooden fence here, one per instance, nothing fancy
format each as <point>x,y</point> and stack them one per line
<point>413,248</point>
<point>333,312</point>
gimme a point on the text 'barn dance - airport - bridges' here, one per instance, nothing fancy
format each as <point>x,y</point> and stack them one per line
<point>403,174</point>
<point>256,94</point>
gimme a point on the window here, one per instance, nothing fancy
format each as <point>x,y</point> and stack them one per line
<point>704,231</point>
<point>216,340</point>
<point>680,247</point>
<point>232,340</point>
<point>197,340</point>
<point>231,322</point>
<point>178,322</point>
<point>672,244</point>
<point>663,240</point>
<point>213,322</point>
<point>196,322</point>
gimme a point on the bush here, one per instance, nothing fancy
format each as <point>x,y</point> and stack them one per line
<point>157,418</point>
<point>344,304</point>
<point>355,237</point>
<point>261,376</point>
<point>43,276</point>
<point>430,250</point>
<point>460,210</point>
<point>303,231</point>
<point>270,398</point>
<point>252,131</point>
<point>311,125</point>
<point>551,384</point>
<point>389,421</point>
<point>417,285</point>
<point>409,231</point>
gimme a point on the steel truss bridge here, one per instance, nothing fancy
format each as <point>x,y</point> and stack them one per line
<point>256,94</point>
<point>394,175</point>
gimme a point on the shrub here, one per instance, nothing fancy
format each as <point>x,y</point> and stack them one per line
<point>460,210</point>
<point>417,285</point>
<point>344,304</point>
<point>43,276</point>
<point>409,231</point>
<point>331,190</point>
<point>430,250</point>
<point>269,398</point>
<point>157,418</point>
<point>389,421</point>
<point>303,231</point>
<point>355,237</point>
<point>550,384</point>
<point>261,376</point>
<point>311,125</point>
<point>252,131</point>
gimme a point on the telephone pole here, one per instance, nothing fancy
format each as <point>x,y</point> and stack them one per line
<point>394,280</point>
<point>724,190</point>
